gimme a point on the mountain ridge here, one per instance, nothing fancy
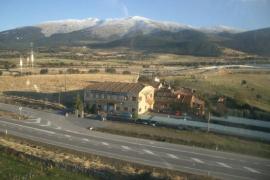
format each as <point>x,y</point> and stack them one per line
<point>141,32</point>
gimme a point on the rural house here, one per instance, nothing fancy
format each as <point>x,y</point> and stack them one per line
<point>117,97</point>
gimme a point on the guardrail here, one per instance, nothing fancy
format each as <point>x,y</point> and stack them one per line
<point>244,121</point>
<point>212,127</point>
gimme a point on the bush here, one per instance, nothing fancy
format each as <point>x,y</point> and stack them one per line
<point>1,73</point>
<point>126,72</point>
<point>93,71</point>
<point>110,70</point>
<point>73,71</point>
<point>44,71</point>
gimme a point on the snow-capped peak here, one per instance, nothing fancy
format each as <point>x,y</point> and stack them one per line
<point>49,28</point>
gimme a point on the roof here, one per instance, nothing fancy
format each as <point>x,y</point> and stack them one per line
<point>117,87</point>
<point>164,92</point>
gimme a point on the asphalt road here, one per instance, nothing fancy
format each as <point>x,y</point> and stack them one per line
<point>68,133</point>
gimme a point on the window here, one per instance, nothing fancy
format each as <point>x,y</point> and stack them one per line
<point>125,98</point>
<point>117,108</point>
<point>134,98</point>
<point>133,109</point>
<point>126,108</point>
<point>96,95</point>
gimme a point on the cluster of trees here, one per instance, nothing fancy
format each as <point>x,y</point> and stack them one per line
<point>110,70</point>
<point>93,71</point>
<point>44,71</point>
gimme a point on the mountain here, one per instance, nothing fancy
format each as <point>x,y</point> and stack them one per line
<point>255,42</point>
<point>138,33</point>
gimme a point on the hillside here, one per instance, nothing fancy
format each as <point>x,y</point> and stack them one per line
<point>137,33</point>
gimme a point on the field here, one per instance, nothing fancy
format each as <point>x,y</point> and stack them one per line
<point>13,167</point>
<point>193,138</point>
<point>56,83</point>
<point>250,87</point>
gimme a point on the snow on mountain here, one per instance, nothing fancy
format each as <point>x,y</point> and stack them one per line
<point>65,26</point>
<point>220,29</point>
<point>118,27</point>
<point>123,26</point>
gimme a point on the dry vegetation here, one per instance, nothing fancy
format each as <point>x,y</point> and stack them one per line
<point>229,83</point>
<point>96,163</point>
<point>56,83</point>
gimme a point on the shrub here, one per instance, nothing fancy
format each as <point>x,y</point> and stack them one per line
<point>126,72</point>
<point>44,71</point>
<point>73,71</point>
<point>243,82</point>
<point>146,66</point>
<point>93,71</point>
<point>110,70</point>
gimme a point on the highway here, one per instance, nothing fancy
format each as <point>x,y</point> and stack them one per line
<point>64,132</point>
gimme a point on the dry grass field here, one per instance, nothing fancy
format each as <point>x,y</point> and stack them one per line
<point>255,92</point>
<point>56,83</point>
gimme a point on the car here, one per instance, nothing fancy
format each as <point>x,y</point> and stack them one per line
<point>90,128</point>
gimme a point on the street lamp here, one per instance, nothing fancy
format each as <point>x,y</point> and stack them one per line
<point>21,64</point>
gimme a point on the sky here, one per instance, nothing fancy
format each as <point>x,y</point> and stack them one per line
<point>242,14</point>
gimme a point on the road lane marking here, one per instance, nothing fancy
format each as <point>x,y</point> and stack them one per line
<point>75,132</point>
<point>197,160</point>
<point>172,156</point>
<point>37,129</point>
<point>85,139</point>
<point>105,144</point>
<point>148,152</point>
<point>68,136</point>
<point>48,124</point>
<point>252,170</point>
<point>126,147</point>
<point>58,128</point>
<point>37,120</point>
<point>224,165</point>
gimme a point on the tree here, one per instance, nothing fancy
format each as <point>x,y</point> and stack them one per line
<point>243,82</point>
<point>78,103</point>
<point>126,72</point>
<point>110,70</point>
<point>44,71</point>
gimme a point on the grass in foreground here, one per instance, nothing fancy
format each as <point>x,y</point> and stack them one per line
<point>25,159</point>
<point>194,138</point>
<point>12,167</point>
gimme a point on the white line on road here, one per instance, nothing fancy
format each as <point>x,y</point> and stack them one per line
<point>85,139</point>
<point>172,156</point>
<point>50,132</point>
<point>37,120</point>
<point>224,165</point>
<point>75,132</point>
<point>251,170</point>
<point>48,124</point>
<point>148,152</point>
<point>197,160</point>
<point>126,147</point>
<point>105,144</point>
<point>58,127</point>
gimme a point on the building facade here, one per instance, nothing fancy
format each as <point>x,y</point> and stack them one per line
<point>182,100</point>
<point>117,97</point>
